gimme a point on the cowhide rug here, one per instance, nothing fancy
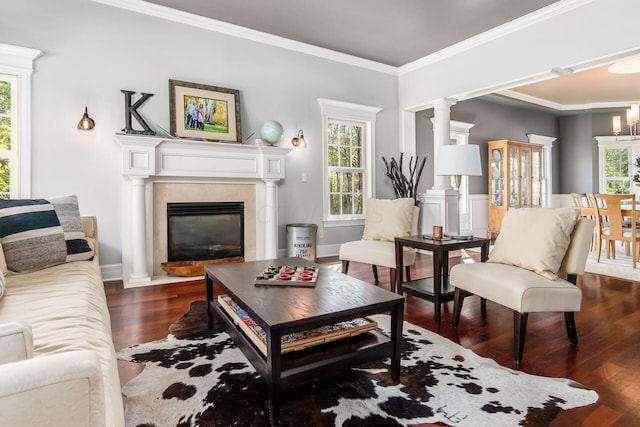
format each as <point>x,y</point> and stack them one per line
<point>197,377</point>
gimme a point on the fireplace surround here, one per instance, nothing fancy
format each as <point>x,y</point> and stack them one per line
<point>193,171</point>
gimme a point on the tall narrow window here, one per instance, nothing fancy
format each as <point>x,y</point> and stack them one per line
<point>8,135</point>
<point>345,164</point>
<point>16,66</point>
<point>348,141</point>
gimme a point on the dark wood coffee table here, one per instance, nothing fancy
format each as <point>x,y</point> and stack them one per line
<point>283,310</point>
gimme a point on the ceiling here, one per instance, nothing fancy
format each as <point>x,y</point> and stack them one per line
<point>398,32</point>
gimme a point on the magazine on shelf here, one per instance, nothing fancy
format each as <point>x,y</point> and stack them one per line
<point>298,340</point>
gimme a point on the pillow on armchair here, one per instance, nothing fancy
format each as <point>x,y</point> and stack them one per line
<point>535,239</point>
<point>388,218</point>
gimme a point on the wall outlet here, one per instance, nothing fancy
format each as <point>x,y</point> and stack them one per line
<point>321,233</point>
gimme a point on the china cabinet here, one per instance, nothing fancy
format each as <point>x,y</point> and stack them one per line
<point>515,179</point>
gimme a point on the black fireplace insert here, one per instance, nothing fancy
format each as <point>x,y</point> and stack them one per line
<point>205,230</point>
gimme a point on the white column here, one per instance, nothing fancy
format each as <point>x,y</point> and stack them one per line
<point>139,271</point>
<point>441,135</point>
<point>271,220</point>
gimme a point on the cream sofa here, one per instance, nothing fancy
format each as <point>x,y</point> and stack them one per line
<point>57,360</point>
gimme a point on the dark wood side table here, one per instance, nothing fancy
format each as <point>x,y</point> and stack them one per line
<point>426,288</point>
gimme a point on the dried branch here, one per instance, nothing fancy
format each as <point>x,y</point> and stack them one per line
<point>403,186</point>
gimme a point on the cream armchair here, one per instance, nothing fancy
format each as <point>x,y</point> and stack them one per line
<point>521,271</point>
<point>385,219</point>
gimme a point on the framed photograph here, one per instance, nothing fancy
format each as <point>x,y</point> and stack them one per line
<point>204,112</point>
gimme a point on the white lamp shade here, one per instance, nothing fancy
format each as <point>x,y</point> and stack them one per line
<point>458,159</point>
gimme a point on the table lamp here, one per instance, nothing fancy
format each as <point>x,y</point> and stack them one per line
<point>458,160</point>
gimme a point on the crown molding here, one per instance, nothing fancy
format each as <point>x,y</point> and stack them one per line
<point>163,12</point>
<point>564,107</point>
<point>17,58</point>
<point>518,24</point>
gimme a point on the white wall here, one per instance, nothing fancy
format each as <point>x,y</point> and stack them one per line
<point>92,51</point>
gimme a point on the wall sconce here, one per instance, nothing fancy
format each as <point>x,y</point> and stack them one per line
<point>299,140</point>
<point>86,122</point>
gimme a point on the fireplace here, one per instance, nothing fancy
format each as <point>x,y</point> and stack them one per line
<point>162,170</point>
<point>205,230</point>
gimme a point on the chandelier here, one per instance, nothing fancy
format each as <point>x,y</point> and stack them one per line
<point>633,116</point>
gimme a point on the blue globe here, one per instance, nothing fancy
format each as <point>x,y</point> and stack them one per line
<point>271,131</point>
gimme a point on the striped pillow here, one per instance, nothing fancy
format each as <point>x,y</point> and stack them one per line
<point>31,235</point>
<point>69,215</point>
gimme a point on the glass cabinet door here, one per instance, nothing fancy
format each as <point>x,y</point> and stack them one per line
<point>497,176</point>
<point>514,174</point>
<point>525,157</point>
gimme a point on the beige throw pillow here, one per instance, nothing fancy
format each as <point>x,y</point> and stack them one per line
<point>535,239</point>
<point>388,218</point>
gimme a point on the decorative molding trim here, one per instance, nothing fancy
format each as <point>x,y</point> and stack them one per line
<point>111,272</point>
<point>528,20</point>
<point>163,12</point>
<point>186,18</point>
<point>547,141</point>
<point>564,107</point>
<point>17,59</point>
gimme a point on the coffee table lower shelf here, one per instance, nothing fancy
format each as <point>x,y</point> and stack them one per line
<point>299,367</point>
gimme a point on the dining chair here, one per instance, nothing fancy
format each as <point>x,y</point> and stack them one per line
<point>611,210</point>
<point>582,201</point>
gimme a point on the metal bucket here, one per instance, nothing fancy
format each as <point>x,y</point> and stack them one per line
<point>301,241</point>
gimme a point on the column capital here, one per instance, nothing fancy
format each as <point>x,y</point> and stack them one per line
<point>443,103</point>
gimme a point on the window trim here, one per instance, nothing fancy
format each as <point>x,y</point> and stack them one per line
<point>622,141</point>
<point>18,61</point>
<point>347,111</point>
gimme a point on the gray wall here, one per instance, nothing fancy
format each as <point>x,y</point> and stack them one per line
<point>92,51</point>
<point>492,121</point>
<point>579,149</point>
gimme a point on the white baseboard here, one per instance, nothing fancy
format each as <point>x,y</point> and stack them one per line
<point>111,272</point>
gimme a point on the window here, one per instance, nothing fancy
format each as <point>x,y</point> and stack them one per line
<point>617,171</point>
<point>16,66</point>
<point>348,141</point>
<point>8,132</point>
<point>345,166</point>
<point>616,156</point>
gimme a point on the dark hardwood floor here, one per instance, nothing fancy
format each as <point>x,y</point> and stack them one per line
<point>607,359</point>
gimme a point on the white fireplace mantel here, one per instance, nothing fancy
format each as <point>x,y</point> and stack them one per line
<point>148,159</point>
